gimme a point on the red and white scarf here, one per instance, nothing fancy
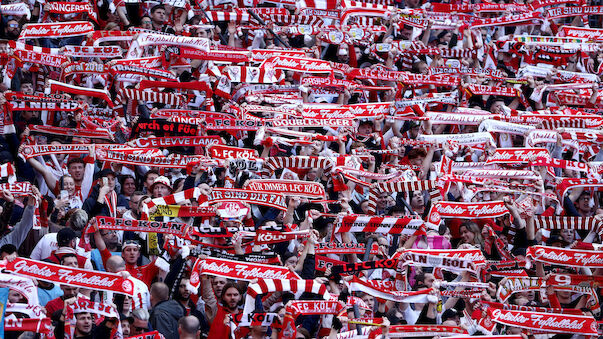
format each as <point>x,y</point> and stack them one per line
<point>545,322</point>
<point>451,260</point>
<point>308,189</point>
<point>71,8</point>
<point>79,132</point>
<point>103,52</point>
<point>70,276</point>
<point>260,198</point>
<point>366,286</point>
<point>565,257</point>
<point>240,270</point>
<point>386,225</point>
<point>56,30</point>
<point>466,210</point>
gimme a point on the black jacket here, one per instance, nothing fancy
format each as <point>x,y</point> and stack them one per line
<point>164,318</point>
<point>94,208</point>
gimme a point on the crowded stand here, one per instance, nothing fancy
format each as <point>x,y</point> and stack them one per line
<point>295,169</point>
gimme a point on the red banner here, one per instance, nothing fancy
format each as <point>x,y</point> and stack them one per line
<point>546,322</point>
<point>268,237</point>
<point>566,257</point>
<point>306,189</point>
<point>109,223</point>
<point>177,141</point>
<point>467,210</point>
<point>56,30</point>
<point>517,155</point>
<point>229,152</point>
<point>307,65</point>
<point>248,196</point>
<point>240,270</point>
<point>58,274</point>
<point>31,325</point>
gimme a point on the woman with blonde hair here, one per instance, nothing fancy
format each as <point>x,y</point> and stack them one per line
<point>471,235</point>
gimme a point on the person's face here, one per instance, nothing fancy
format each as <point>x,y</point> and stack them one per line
<point>202,33</point>
<point>127,305</point>
<point>312,174</point>
<point>139,326</point>
<point>568,235</point>
<point>583,202</point>
<point>131,254</point>
<point>417,199</point>
<point>13,30</point>
<point>160,190</point>
<point>467,235</point>
<point>429,279</point>
<point>218,284</point>
<point>76,170</point>
<point>383,244</point>
<point>125,328</point>
<point>291,262</point>
<point>232,298</point>
<point>364,206</point>
<point>69,185</point>
<point>382,200</point>
<point>134,202</point>
<point>70,262</point>
<point>27,88</point>
<point>390,202</point>
<point>184,292</point>
<point>317,146</point>
<point>14,296</point>
<point>418,161</point>
<point>146,23</point>
<point>414,131</point>
<point>69,291</point>
<point>159,16</point>
<point>110,238</point>
<point>369,300</point>
<point>27,115</point>
<point>365,129</point>
<point>406,33</point>
<point>150,179</point>
<point>83,323</point>
<point>111,181</point>
<point>129,186</point>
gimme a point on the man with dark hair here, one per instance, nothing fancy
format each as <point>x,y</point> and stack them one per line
<point>104,199</point>
<point>69,260</point>
<point>149,179</point>
<point>230,299</point>
<point>158,15</point>
<point>84,326</point>
<point>12,29</point>
<point>82,172</point>
<point>67,241</point>
<point>58,303</point>
<point>182,295</point>
<point>165,312</point>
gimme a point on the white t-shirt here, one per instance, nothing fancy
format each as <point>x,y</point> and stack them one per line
<point>48,244</point>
